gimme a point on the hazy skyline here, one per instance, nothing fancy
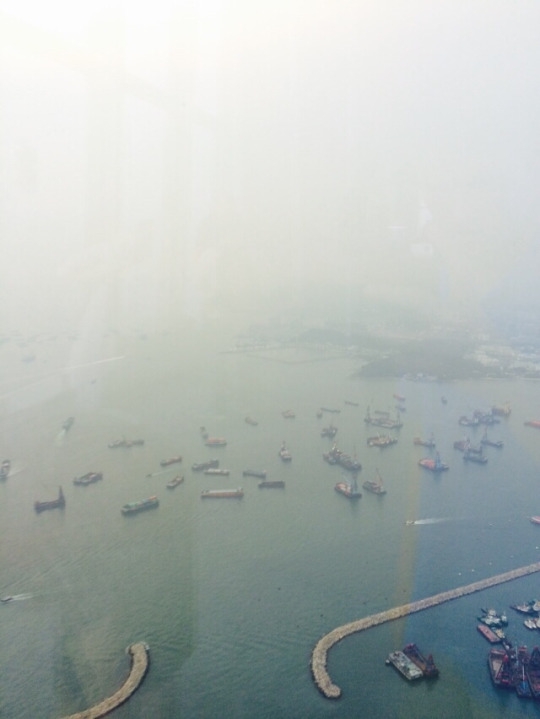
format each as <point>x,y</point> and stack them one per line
<point>177,159</point>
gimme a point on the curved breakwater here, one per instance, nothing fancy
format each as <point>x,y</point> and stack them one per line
<point>319,656</point>
<point>139,667</point>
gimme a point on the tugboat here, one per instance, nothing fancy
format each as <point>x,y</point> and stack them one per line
<point>375,485</point>
<point>284,453</point>
<point>348,488</point>
<point>434,465</point>
<point>59,503</point>
<point>5,468</point>
<point>426,665</point>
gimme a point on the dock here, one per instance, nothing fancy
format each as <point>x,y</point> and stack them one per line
<point>319,656</point>
<point>139,667</point>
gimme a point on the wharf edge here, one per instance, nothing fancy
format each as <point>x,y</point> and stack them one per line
<point>319,655</point>
<point>139,667</point>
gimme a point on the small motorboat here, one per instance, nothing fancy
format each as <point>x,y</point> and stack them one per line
<point>5,600</point>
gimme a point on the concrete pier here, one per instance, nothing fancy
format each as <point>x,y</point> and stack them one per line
<point>139,667</point>
<point>319,656</point>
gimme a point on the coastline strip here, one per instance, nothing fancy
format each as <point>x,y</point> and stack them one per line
<point>139,667</point>
<point>319,655</point>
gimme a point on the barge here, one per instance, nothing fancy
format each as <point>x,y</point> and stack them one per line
<point>404,665</point>
<point>271,483</point>
<point>58,503</point>
<point>222,493</point>
<point>88,478</point>
<point>140,506</point>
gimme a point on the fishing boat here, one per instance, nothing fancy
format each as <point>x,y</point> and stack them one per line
<point>140,506</point>
<point>375,485</point>
<point>424,442</point>
<point>58,503</point>
<point>88,478</point>
<point>433,465</point>
<point>348,488</point>
<point>5,469</point>
<point>175,481</point>
<point>171,460</point>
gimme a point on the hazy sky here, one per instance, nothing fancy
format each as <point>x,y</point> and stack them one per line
<point>178,157</point>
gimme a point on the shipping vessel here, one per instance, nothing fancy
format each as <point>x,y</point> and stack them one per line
<point>5,468</point>
<point>222,493</point>
<point>200,466</point>
<point>271,483</point>
<point>434,465</point>
<point>88,478</point>
<point>426,664</point>
<point>348,488</point>
<point>215,442</point>
<point>58,503</point>
<point>140,506</point>
<point>404,665</point>
<point>171,460</point>
<point>125,443</point>
<point>175,481</point>
<point>216,472</point>
<point>261,474</point>
<point>375,485</point>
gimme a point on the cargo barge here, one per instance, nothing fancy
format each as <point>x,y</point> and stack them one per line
<point>260,474</point>
<point>175,481</point>
<point>222,493</point>
<point>404,665</point>
<point>200,466</point>
<point>215,441</point>
<point>58,503</point>
<point>140,506</point>
<point>171,460</point>
<point>212,471</point>
<point>88,478</point>
<point>271,483</point>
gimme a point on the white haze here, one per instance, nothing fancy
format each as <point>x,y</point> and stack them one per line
<point>161,161</point>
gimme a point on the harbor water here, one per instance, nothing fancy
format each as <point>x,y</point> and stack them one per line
<point>232,595</point>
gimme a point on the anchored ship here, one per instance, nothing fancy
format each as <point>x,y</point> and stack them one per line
<point>215,442</point>
<point>217,472</point>
<point>261,474</point>
<point>381,440</point>
<point>175,481</point>
<point>140,506</point>
<point>200,466</point>
<point>171,460</point>
<point>284,453</point>
<point>271,483</point>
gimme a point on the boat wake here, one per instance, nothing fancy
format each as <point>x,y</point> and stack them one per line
<point>16,598</point>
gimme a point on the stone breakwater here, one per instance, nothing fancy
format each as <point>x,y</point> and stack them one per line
<point>319,656</point>
<point>139,667</point>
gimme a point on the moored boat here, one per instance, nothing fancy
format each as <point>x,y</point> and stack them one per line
<point>222,493</point>
<point>404,665</point>
<point>426,664</point>
<point>501,663</point>
<point>88,478</point>
<point>175,481</point>
<point>171,460</point>
<point>58,503</point>
<point>488,634</point>
<point>140,506</point>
